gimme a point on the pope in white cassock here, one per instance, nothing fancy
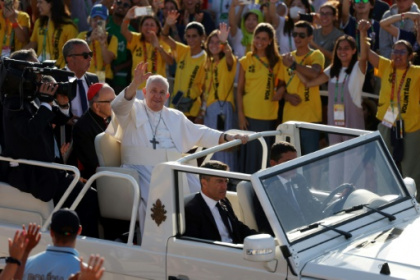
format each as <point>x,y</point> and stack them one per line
<point>151,133</point>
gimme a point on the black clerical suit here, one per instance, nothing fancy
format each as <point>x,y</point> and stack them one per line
<point>200,222</point>
<point>307,210</point>
<point>84,133</point>
<point>29,135</point>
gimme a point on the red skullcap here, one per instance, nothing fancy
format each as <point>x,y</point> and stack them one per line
<point>93,90</point>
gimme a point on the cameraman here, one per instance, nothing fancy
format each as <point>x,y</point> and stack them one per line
<point>28,133</point>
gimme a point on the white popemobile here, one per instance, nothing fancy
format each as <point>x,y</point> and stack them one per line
<point>368,227</point>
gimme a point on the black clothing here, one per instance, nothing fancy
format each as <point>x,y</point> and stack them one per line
<point>84,133</point>
<point>200,222</point>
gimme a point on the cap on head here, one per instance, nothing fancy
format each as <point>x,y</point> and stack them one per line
<point>94,89</point>
<point>99,10</point>
<point>65,222</point>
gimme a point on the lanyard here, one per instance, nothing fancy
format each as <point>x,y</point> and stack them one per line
<point>394,80</point>
<point>153,58</point>
<point>301,63</point>
<point>44,43</point>
<point>270,70</point>
<point>342,88</point>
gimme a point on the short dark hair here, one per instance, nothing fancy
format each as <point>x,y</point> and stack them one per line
<point>307,25</point>
<point>406,44</point>
<point>197,26</point>
<point>213,164</point>
<point>25,55</point>
<point>279,148</point>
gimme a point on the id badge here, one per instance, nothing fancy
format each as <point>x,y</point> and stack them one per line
<point>390,116</point>
<point>5,51</point>
<point>101,76</point>
<point>339,115</point>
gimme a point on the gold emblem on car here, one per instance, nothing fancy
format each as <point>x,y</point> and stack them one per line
<point>158,212</point>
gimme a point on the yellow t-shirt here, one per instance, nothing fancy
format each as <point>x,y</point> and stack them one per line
<point>219,77</point>
<point>189,76</point>
<point>53,41</point>
<point>259,88</point>
<point>309,110</point>
<point>409,94</point>
<point>155,62</point>
<point>97,63</point>
<point>6,30</point>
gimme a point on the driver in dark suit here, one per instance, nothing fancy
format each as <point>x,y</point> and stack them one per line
<point>209,215</point>
<point>289,193</point>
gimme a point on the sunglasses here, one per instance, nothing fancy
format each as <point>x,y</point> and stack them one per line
<point>85,55</point>
<point>361,1</point>
<point>125,5</point>
<point>301,35</point>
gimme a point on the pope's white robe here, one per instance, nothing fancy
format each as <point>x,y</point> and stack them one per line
<point>132,128</point>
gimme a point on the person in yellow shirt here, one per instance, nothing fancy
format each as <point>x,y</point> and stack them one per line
<point>190,59</point>
<point>147,45</point>
<point>218,100</point>
<point>14,28</point>
<point>398,105</point>
<point>52,30</point>
<point>104,46</point>
<point>257,106</point>
<point>302,103</point>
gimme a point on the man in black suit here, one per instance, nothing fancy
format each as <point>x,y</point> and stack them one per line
<point>209,215</point>
<point>93,122</point>
<point>28,134</point>
<point>289,193</point>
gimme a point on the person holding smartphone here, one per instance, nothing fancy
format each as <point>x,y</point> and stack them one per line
<point>14,27</point>
<point>103,45</point>
<point>147,44</point>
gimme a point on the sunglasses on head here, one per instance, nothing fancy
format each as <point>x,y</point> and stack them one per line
<point>85,55</point>
<point>125,5</point>
<point>300,34</point>
<point>361,1</point>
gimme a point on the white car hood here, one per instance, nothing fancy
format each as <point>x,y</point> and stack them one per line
<point>398,247</point>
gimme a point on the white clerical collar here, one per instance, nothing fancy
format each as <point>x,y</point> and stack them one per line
<point>211,203</point>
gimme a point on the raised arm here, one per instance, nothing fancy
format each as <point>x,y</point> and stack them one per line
<point>156,44</point>
<point>126,21</point>
<point>235,18</point>
<point>223,35</point>
<point>372,56</point>
<point>140,75</point>
<point>345,11</point>
<point>387,23</point>
<point>170,21</point>
<point>272,11</point>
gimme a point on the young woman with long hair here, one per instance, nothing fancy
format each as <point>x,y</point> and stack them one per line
<point>257,111</point>
<point>52,30</point>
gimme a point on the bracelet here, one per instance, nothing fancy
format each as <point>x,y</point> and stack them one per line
<point>13,260</point>
<point>225,137</point>
<point>402,16</point>
<point>223,43</point>
<point>15,24</point>
<point>293,66</point>
<point>126,20</point>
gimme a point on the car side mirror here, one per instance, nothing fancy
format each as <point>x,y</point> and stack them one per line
<point>411,186</point>
<point>259,248</point>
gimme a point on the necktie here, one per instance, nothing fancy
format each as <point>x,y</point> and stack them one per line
<point>293,200</point>
<point>82,93</point>
<point>225,218</point>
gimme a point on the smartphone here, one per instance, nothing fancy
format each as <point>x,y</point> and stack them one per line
<point>177,97</point>
<point>245,2</point>
<point>143,11</point>
<point>100,27</point>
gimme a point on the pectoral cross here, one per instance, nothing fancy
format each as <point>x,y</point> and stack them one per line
<point>154,142</point>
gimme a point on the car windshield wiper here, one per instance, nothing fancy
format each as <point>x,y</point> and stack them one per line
<point>360,207</point>
<point>346,234</point>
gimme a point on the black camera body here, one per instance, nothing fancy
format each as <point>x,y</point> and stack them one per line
<point>22,78</point>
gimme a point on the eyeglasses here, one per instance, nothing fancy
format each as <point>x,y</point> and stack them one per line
<point>85,55</point>
<point>104,101</point>
<point>361,1</point>
<point>301,35</point>
<point>399,52</point>
<point>125,5</point>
